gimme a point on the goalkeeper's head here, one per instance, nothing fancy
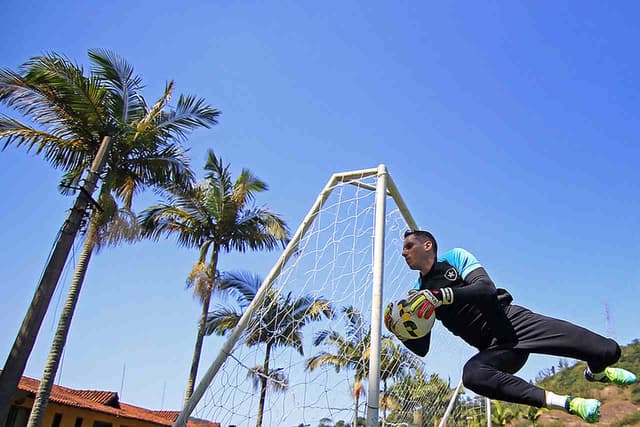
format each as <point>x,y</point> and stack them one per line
<point>424,236</point>
<point>419,250</point>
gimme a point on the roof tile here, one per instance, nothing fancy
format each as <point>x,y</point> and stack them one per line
<point>107,402</point>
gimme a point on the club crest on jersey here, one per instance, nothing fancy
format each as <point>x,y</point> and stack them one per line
<point>451,274</point>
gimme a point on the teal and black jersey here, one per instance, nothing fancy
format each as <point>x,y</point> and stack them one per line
<point>477,314</point>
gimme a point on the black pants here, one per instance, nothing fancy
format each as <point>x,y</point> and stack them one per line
<point>490,372</point>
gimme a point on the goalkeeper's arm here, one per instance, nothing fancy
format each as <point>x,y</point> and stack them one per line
<point>479,288</point>
<point>419,346</point>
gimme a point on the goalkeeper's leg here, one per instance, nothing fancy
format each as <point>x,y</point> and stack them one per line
<point>541,334</point>
<point>490,373</point>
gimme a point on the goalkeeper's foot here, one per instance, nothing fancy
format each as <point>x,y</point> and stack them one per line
<point>587,409</point>
<point>613,375</point>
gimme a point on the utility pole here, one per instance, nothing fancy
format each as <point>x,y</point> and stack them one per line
<point>25,340</point>
<point>610,330</point>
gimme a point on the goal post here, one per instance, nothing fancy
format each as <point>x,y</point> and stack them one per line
<point>345,251</point>
<point>378,269</point>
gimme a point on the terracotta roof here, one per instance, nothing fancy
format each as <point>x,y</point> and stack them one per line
<point>109,398</point>
<point>170,415</point>
<point>107,402</point>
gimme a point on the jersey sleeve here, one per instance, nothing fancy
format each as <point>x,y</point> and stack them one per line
<point>462,260</point>
<point>478,287</point>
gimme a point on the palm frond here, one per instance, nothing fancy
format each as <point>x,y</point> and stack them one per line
<point>221,320</point>
<point>150,117</point>
<point>324,358</point>
<point>124,87</point>
<point>66,94</point>
<point>166,219</point>
<point>190,113</point>
<point>246,186</point>
<point>275,379</point>
<point>201,280</point>
<point>242,284</point>
<point>120,226</point>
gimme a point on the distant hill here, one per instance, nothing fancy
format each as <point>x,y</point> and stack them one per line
<point>620,405</point>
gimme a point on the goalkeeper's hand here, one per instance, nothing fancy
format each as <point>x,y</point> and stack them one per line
<point>436,298</point>
<point>387,317</point>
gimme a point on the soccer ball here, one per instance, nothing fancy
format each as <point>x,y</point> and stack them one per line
<point>406,324</point>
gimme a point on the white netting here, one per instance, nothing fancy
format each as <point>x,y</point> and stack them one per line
<point>333,261</point>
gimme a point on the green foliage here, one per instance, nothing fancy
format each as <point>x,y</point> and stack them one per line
<point>419,397</point>
<point>501,415</point>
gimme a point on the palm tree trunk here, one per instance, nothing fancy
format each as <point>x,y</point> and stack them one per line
<point>193,373</point>
<point>60,338</point>
<point>384,403</point>
<point>25,340</point>
<point>356,397</point>
<point>263,385</point>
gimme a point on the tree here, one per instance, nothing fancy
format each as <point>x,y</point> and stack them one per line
<point>277,323</point>
<point>76,118</point>
<point>396,362</point>
<point>418,398</point>
<point>350,351</point>
<point>533,414</point>
<point>215,216</point>
<point>501,415</point>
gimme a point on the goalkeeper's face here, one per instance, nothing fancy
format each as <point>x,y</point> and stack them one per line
<point>418,253</point>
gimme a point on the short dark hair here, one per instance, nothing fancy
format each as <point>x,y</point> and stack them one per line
<point>424,236</point>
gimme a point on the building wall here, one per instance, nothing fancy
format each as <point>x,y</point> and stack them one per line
<point>89,418</point>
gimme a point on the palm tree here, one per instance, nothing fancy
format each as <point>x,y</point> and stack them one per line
<point>350,351</point>
<point>417,398</point>
<point>396,362</point>
<point>74,115</point>
<point>277,323</point>
<point>214,216</point>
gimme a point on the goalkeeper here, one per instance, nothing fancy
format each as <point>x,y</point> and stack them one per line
<point>468,304</point>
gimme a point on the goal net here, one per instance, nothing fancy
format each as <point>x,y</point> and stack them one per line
<point>286,363</point>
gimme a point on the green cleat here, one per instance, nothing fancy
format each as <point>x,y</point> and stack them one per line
<point>587,409</point>
<point>613,375</point>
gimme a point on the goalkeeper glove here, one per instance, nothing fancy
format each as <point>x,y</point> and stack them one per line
<point>387,317</point>
<point>436,298</point>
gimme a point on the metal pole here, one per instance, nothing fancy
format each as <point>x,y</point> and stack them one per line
<point>488,412</point>
<point>26,337</point>
<point>373,401</point>
<point>402,206</point>
<point>447,413</point>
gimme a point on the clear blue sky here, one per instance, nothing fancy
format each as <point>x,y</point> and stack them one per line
<point>511,130</point>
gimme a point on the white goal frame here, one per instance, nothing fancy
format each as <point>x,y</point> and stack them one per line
<point>385,187</point>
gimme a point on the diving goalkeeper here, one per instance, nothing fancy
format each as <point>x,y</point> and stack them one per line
<point>468,304</point>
